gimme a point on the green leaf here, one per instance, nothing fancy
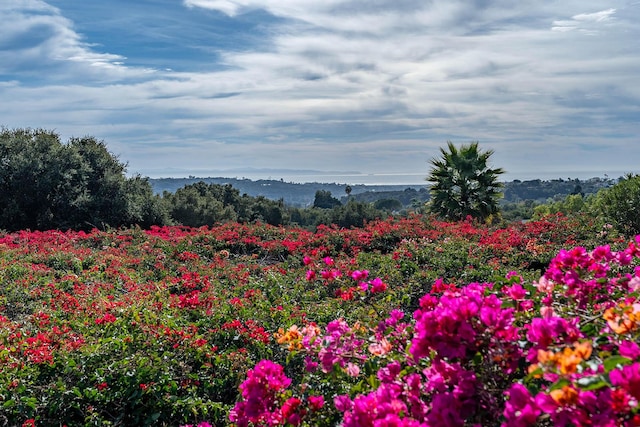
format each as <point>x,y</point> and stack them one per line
<point>559,384</point>
<point>614,362</point>
<point>373,381</point>
<point>533,374</point>
<point>592,383</point>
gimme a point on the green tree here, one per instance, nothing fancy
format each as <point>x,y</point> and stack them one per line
<point>463,184</point>
<point>200,204</point>
<point>354,214</point>
<point>388,204</point>
<point>571,204</point>
<point>269,211</point>
<point>101,176</point>
<point>620,205</point>
<point>45,184</point>
<point>143,207</point>
<point>325,200</point>
<point>30,175</point>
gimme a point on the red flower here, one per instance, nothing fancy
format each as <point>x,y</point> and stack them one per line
<point>289,411</point>
<point>107,318</point>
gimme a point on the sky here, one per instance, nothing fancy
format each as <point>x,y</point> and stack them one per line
<point>346,90</point>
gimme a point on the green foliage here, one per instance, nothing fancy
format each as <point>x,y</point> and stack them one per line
<point>463,184</point>
<point>46,184</point>
<point>620,204</point>
<point>143,207</point>
<point>30,178</point>
<point>354,214</point>
<point>207,204</point>
<point>518,211</point>
<point>571,204</point>
<point>324,200</point>
<point>203,204</point>
<point>388,204</point>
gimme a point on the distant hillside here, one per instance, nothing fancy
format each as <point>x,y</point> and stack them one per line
<point>293,194</point>
<point>301,195</point>
<point>541,191</point>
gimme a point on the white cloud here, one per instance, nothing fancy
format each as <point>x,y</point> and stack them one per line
<point>37,37</point>
<point>339,80</point>
<point>588,23</point>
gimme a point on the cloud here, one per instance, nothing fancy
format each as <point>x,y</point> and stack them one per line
<point>588,23</point>
<point>36,37</point>
<point>335,82</point>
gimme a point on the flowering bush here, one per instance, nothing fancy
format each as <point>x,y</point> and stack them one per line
<point>561,351</point>
<point>257,324</point>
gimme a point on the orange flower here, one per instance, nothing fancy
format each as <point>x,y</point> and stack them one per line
<point>623,319</point>
<point>292,336</point>
<point>533,368</point>
<point>545,356</point>
<point>568,361</point>
<point>583,349</point>
<point>565,361</point>
<point>565,396</point>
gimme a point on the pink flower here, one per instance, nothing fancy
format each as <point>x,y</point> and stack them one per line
<point>548,330</point>
<point>330,274</point>
<point>342,403</point>
<point>310,365</point>
<point>107,318</point>
<point>516,292</point>
<point>377,285</point>
<point>547,312</point>
<point>316,402</point>
<point>381,347</point>
<point>634,283</point>
<point>260,395</point>
<point>353,370</point>
<point>445,411</point>
<point>629,349</point>
<point>520,409</point>
<point>627,378</point>
<point>544,285</point>
<point>359,275</point>
<point>289,411</point>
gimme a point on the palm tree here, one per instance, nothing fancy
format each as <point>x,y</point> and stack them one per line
<point>463,184</point>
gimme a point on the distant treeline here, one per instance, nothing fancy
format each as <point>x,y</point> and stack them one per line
<point>47,184</point>
<point>303,194</point>
<point>292,194</point>
<point>542,191</point>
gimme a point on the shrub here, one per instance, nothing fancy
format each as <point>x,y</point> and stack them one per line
<point>620,205</point>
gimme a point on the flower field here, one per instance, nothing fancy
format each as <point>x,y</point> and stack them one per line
<point>405,322</point>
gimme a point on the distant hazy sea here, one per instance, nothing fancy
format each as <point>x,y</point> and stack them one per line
<point>413,179</point>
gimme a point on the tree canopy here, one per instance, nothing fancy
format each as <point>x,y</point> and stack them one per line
<point>620,205</point>
<point>463,184</point>
<point>46,184</point>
